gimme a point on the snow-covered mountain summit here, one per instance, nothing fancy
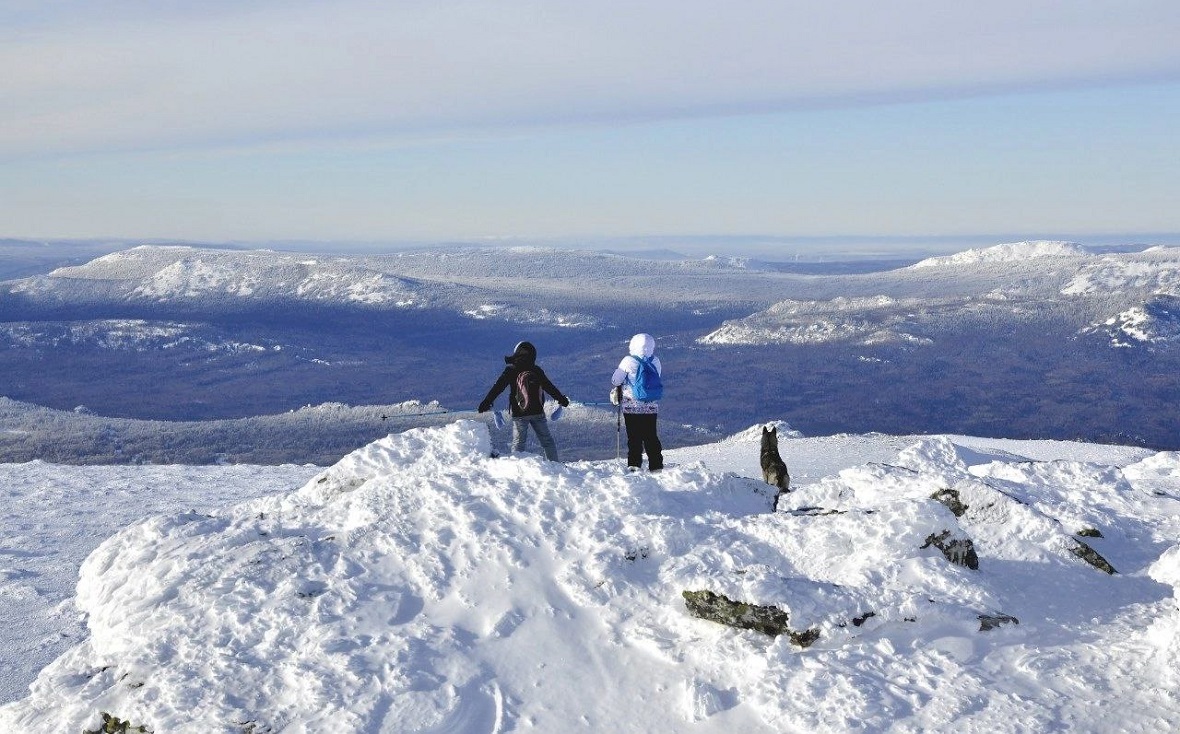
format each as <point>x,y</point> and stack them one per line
<point>420,586</point>
<point>165,274</point>
<point>1008,252</point>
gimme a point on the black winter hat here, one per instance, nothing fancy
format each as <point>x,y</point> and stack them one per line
<point>524,350</point>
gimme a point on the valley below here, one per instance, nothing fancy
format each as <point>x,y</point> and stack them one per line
<point>1027,340</point>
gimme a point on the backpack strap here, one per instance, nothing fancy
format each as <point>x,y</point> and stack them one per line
<point>638,366</point>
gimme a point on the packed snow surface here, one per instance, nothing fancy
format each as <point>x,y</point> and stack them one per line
<point>420,586</point>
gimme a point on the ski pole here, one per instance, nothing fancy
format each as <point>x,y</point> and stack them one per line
<point>618,422</point>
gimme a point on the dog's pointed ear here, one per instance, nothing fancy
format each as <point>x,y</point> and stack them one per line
<point>774,431</point>
<point>765,430</point>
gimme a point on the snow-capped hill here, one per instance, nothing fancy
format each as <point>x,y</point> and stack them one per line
<point>174,274</point>
<point>130,264</point>
<point>419,585</point>
<point>528,285</point>
<point>539,316</point>
<point>275,277</point>
<point>875,320</point>
<point>1155,324</point>
<point>753,434</point>
<point>1156,270</point>
<point>1008,252</point>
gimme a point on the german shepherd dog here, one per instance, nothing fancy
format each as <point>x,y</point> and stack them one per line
<point>774,469</point>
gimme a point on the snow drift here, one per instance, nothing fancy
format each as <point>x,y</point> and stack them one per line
<point>420,586</point>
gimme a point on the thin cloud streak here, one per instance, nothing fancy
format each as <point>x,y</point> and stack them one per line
<point>305,72</point>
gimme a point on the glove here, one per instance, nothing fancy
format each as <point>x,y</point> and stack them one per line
<point>498,419</point>
<point>556,413</point>
<point>485,407</point>
<point>563,401</point>
<point>616,394</point>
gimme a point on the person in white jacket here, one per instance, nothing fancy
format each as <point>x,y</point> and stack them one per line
<point>640,416</point>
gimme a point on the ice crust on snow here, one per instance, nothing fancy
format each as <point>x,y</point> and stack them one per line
<point>418,585</point>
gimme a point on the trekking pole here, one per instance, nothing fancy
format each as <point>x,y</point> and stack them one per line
<point>618,422</point>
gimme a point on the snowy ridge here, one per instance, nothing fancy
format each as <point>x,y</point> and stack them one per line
<point>1155,270</point>
<point>539,316</point>
<point>528,285</point>
<point>753,434</point>
<point>876,320</point>
<point>319,434</point>
<point>540,263</point>
<point>420,586</point>
<point>1008,252</point>
<point>178,274</point>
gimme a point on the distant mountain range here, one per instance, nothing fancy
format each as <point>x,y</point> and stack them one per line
<point>1024,340</point>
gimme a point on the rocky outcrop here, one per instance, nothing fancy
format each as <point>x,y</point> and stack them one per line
<point>1090,556</point>
<point>959,551</point>
<point>952,500</point>
<point>988,622</point>
<point>769,620</point>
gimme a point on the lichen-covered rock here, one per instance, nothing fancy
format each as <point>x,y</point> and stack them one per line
<point>1091,556</point>
<point>115,725</point>
<point>768,620</point>
<point>952,500</point>
<point>959,551</point>
<point>989,622</point>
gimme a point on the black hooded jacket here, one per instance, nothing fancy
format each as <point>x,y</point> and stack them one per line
<point>527,380</point>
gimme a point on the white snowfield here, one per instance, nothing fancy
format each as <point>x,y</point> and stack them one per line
<point>420,586</point>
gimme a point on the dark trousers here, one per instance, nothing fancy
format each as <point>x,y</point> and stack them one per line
<point>641,437</point>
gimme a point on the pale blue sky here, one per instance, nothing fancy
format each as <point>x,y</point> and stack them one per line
<point>360,120</point>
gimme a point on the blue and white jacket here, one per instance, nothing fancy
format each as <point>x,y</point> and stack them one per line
<point>642,345</point>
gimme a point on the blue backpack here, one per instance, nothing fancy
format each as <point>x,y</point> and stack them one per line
<point>647,386</point>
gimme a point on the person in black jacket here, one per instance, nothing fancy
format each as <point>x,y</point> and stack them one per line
<point>525,401</point>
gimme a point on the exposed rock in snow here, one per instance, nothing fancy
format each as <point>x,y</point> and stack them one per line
<point>769,620</point>
<point>959,551</point>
